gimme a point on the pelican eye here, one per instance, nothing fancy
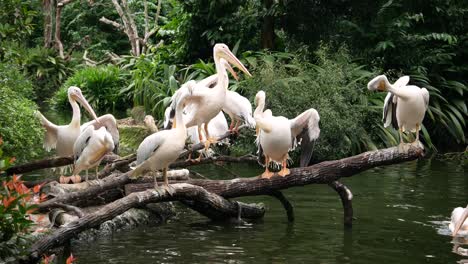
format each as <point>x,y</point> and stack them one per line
<point>87,140</point>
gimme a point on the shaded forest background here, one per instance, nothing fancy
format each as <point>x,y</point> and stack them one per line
<point>129,55</point>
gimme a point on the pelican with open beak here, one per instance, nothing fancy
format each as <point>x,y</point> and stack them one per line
<point>207,102</point>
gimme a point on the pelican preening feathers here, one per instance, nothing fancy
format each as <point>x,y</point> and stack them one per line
<point>459,223</point>
<point>91,147</point>
<point>277,135</point>
<point>404,106</point>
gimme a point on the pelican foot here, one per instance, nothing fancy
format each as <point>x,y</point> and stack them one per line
<point>267,175</point>
<point>75,178</point>
<point>168,188</point>
<point>417,144</point>
<point>284,172</point>
<point>64,179</point>
<point>403,147</point>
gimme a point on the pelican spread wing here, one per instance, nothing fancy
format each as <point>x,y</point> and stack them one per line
<point>50,137</point>
<point>389,111</point>
<point>425,94</point>
<point>82,141</point>
<point>210,81</point>
<point>305,129</point>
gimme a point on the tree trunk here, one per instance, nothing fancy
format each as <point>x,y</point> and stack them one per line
<point>47,8</point>
<point>268,27</point>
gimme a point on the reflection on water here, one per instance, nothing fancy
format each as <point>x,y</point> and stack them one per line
<point>401,213</point>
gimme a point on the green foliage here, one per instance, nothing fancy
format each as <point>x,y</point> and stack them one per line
<point>17,19</point>
<point>46,70</point>
<point>152,83</point>
<point>201,24</point>
<point>100,86</point>
<point>18,126</point>
<point>334,86</point>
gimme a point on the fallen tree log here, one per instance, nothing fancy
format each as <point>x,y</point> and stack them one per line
<point>321,173</point>
<point>50,163</point>
<point>214,206</point>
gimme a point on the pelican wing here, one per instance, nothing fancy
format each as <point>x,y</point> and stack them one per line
<point>389,111</point>
<point>402,81</point>
<point>209,82</point>
<point>425,94</point>
<point>50,137</point>
<point>150,145</point>
<point>110,123</point>
<point>82,141</point>
<point>305,129</point>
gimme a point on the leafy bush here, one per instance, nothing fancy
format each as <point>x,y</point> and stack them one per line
<point>18,126</point>
<point>334,86</point>
<point>15,207</point>
<point>100,86</point>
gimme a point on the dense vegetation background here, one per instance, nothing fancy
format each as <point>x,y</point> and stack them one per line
<point>303,54</point>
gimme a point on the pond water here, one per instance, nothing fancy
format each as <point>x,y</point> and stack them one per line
<point>400,213</point>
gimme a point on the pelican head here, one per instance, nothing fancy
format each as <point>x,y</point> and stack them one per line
<point>260,97</point>
<point>74,94</point>
<point>460,221</point>
<point>149,119</point>
<point>222,51</point>
<point>379,83</point>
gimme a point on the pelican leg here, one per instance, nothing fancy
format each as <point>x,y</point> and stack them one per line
<point>416,142</point>
<point>231,126</point>
<point>86,175</point>
<point>155,181</point>
<point>236,128</point>
<point>400,131</point>
<point>166,185</point>
<point>97,173</point>
<point>209,139</point>
<point>200,136</point>
<point>284,169</point>
<point>199,157</point>
<point>267,173</point>
<point>402,147</point>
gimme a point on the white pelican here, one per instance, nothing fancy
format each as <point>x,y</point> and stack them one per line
<point>160,149</point>
<point>90,148</point>
<point>277,135</point>
<point>236,106</point>
<point>63,137</point>
<point>150,124</point>
<point>208,102</point>
<point>217,128</point>
<point>459,222</point>
<point>108,121</point>
<point>239,109</point>
<point>405,105</point>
